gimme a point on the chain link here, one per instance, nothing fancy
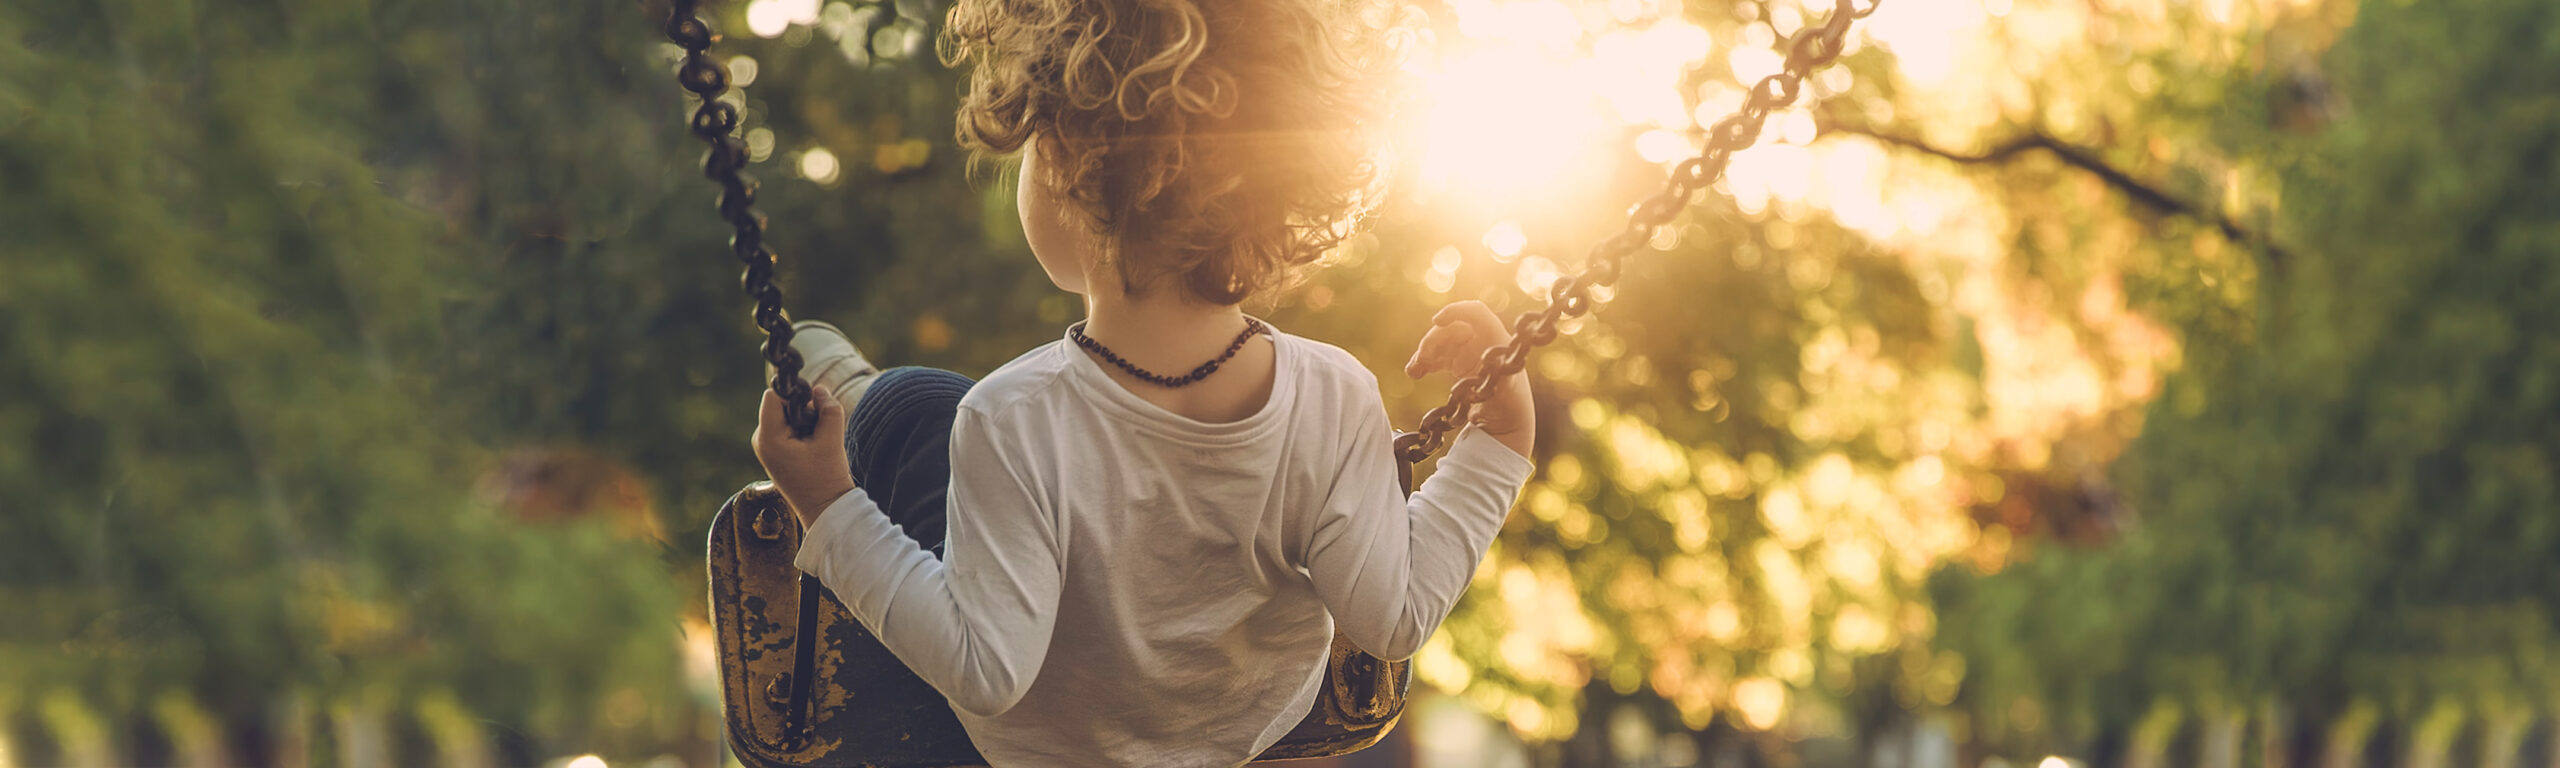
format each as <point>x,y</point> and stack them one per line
<point>714,122</point>
<point>1812,48</point>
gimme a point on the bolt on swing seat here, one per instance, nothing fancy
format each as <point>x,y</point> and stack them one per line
<point>804,685</point>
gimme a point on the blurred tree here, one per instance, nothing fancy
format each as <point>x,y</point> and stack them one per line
<point>1875,348</point>
<point>2346,527</point>
<point>240,446</point>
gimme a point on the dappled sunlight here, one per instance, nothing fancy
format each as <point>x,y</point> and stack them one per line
<point>1770,570</point>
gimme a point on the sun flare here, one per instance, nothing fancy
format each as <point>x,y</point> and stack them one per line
<point>1532,96</point>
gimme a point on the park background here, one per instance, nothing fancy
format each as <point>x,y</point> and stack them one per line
<point>2120,382</point>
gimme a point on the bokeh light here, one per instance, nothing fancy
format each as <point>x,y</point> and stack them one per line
<point>819,165</point>
<point>770,18</point>
<point>1505,240</point>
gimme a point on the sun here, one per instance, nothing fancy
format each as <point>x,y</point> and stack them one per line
<point>1533,106</point>
<point>1505,122</point>
<point>1528,100</point>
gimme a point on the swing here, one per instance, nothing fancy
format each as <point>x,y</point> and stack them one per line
<point>804,685</point>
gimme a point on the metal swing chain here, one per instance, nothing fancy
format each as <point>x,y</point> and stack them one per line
<point>725,163</point>
<point>1811,49</point>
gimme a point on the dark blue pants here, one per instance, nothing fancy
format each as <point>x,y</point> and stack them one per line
<point>899,440</point>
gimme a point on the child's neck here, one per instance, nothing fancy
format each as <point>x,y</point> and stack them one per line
<point>1167,332</point>
<point>1165,320</point>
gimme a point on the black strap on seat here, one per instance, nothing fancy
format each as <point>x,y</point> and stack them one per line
<point>804,661</point>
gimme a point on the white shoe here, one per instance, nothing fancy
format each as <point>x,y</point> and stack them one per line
<point>829,360</point>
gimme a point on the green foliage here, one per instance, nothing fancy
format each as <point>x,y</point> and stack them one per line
<point>235,464</point>
<point>2353,504</point>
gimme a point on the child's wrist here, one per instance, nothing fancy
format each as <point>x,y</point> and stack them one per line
<point>809,503</point>
<point>1506,414</point>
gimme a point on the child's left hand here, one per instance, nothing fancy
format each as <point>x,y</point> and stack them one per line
<point>1456,343</point>
<point>811,472</point>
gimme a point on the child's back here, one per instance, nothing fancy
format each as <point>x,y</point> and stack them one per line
<point>1186,566</point>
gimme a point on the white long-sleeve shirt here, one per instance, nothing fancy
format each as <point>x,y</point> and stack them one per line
<point>1123,585</point>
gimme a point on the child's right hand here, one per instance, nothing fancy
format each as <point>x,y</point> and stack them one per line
<point>811,472</point>
<point>1456,343</point>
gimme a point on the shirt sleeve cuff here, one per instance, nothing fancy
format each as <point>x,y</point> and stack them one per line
<point>836,525</point>
<point>1484,453</point>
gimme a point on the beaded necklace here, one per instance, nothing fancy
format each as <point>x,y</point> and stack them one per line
<point>1251,328</point>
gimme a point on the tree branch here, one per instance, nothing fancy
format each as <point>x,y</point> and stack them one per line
<point>2146,195</point>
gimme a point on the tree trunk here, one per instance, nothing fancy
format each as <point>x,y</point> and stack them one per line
<point>364,736</point>
<point>2148,746</point>
<point>2218,745</point>
<point>78,731</point>
<point>2275,735</point>
<point>2348,735</point>
<point>2502,739</point>
<point>2431,737</point>
<point>195,736</point>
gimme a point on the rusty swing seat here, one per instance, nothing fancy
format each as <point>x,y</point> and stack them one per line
<point>805,685</point>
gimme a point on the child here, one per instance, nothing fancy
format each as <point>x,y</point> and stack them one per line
<point>1132,546</point>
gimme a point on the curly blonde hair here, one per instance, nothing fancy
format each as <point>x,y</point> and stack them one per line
<point>1221,144</point>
